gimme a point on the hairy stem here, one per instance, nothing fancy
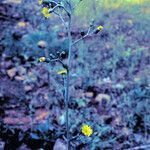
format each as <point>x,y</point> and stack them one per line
<point>67,84</point>
<point>66,95</point>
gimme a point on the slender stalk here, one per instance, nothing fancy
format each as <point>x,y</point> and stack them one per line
<point>66,84</point>
<point>66,97</point>
<point>68,10</point>
<point>70,42</point>
<point>67,66</point>
<point>87,34</point>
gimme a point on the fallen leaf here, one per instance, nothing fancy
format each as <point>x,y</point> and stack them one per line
<point>89,94</point>
<point>28,88</point>
<point>20,78</point>
<point>11,72</point>
<point>59,145</point>
<point>99,97</point>
<point>13,1</point>
<point>41,116</point>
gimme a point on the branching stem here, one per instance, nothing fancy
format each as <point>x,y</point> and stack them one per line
<point>86,35</point>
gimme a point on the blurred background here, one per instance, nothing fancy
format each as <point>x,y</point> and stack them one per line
<point>110,77</point>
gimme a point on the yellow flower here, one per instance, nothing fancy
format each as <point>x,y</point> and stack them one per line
<point>42,59</point>
<point>62,72</point>
<point>40,2</point>
<point>46,12</point>
<point>87,130</point>
<point>100,27</point>
<point>21,24</point>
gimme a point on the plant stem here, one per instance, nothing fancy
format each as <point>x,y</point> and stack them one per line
<point>66,84</point>
<point>70,43</point>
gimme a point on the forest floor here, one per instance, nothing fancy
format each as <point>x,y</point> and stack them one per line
<point>109,86</point>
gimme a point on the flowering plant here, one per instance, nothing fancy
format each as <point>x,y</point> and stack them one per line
<point>65,9</point>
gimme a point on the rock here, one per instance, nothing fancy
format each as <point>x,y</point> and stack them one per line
<point>20,78</point>
<point>41,115</point>
<point>23,147</point>
<point>118,86</point>
<point>28,88</point>
<point>41,44</point>
<point>11,72</point>
<point>100,97</point>
<point>89,94</point>
<point>107,80</point>
<point>59,145</point>
<point>2,145</point>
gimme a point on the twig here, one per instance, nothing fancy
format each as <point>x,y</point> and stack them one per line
<point>58,5</point>
<point>75,137</point>
<point>139,147</point>
<point>53,9</point>
<point>53,2</point>
<point>66,97</point>
<point>70,42</point>
<point>88,34</point>
<point>61,18</point>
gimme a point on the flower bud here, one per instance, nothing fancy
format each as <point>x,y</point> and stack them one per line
<point>42,59</point>
<point>46,12</point>
<point>99,28</point>
<point>62,72</point>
